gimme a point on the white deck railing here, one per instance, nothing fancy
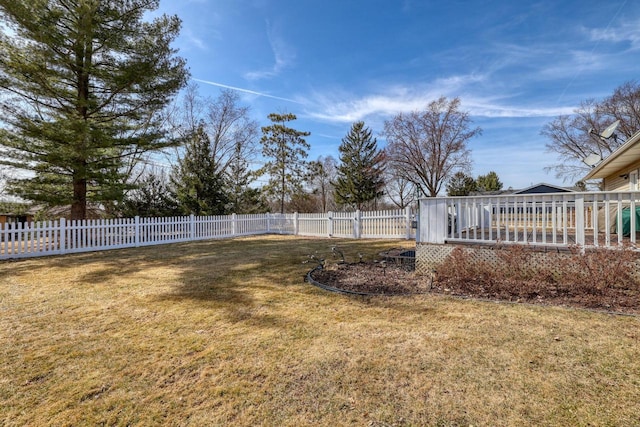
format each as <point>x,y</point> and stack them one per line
<point>59,237</point>
<point>563,219</point>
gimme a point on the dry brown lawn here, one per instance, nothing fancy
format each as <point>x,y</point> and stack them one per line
<point>227,333</point>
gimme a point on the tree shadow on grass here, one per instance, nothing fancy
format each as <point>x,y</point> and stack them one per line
<point>217,274</point>
<point>90,267</point>
<point>190,269</point>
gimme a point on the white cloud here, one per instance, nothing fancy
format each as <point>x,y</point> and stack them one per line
<point>193,40</point>
<point>626,32</point>
<point>486,108</point>
<point>284,56</point>
<point>341,107</point>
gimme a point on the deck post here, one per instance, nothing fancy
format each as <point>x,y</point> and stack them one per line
<point>433,220</point>
<point>580,235</point>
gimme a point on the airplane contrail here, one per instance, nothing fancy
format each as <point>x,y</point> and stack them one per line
<point>245,90</point>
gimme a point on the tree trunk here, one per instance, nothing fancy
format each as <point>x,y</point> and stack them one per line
<point>79,204</point>
<point>282,191</point>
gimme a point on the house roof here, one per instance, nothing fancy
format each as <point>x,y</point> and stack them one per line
<point>540,188</point>
<point>543,188</point>
<point>627,154</point>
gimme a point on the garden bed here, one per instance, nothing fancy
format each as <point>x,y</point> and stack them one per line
<point>377,278</point>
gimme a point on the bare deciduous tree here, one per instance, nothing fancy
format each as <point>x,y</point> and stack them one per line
<point>231,129</point>
<point>227,124</point>
<point>624,105</point>
<point>571,141</point>
<point>400,191</point>
<point>232,137</point>
<point>320,174</point>
<point>428,147</point>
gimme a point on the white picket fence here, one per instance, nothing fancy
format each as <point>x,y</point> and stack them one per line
<point>21,240</point>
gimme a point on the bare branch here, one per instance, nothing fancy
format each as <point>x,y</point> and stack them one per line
<point>426,148</point>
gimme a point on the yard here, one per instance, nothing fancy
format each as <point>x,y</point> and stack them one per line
<point>225,332</point>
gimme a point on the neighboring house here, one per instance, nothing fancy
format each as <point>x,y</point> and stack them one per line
<point>7,218</point>
<point>620,170</point>
<point>543,188</point>
<point>540,188</point>
<point>13,213</point>
<point>57,212</point>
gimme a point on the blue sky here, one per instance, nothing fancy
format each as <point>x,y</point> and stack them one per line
<point>514,65</point>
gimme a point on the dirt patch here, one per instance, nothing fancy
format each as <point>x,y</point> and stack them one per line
<point>371,278</point>
<point>390,279</point>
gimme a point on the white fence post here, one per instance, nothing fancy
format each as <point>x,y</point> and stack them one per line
<point>136,230</point>
<point>330,223</point>
<point>192,227</point>
<point>234,221</point>
<point>63,236</point>
<point>407,219</point>
<point>357,225</point>
<point>295,223</point>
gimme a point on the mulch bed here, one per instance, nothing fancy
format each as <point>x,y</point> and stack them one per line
<point>390,279</point>
<point>371,278</point>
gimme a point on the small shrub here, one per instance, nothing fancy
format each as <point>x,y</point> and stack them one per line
<point>515,262</point>
<point>593,278</point>
<point>458,267</point>
<point>596,270</point>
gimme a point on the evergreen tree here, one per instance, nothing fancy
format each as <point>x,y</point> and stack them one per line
<point>198,185</point>
<point>243,199</point>
<point>461,184</point>
<point>360,173</point>
<point>82,84</point>
<point>287,149</point>
<point>151,198</point>
<point>489,182</point>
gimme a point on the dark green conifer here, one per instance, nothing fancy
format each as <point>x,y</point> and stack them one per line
<point>360,172</point>
<point>82,86</point>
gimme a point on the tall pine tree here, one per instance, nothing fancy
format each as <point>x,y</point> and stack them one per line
<point>360,172</point>
<point>82,86</point>
<point>286,148</point>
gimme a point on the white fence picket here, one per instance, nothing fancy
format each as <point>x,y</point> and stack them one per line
<point>59,237</point>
